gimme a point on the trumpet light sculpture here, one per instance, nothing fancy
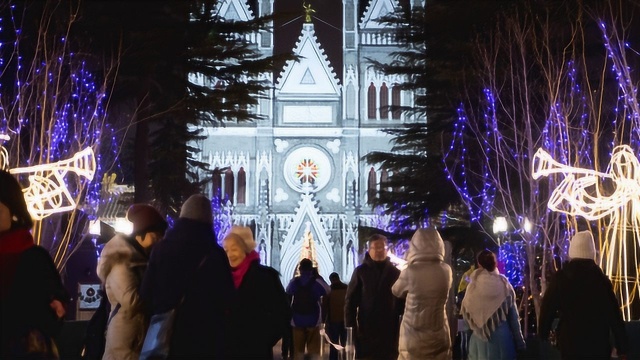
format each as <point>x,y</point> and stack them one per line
<point>47,192</point>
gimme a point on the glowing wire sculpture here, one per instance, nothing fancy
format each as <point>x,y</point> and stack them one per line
<point>4,154</point>
<point>47,192</point>
<point>4,158</point>
<point>595,195</point>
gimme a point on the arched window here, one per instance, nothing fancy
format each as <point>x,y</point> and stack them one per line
<point>371,186</point>
<point>216,183</point>
<point>371,102</point>
<point>384,177</point>
<point>228,185</point>
<point>384,101</point>
<point>395,101</point>
<point>242,186</point>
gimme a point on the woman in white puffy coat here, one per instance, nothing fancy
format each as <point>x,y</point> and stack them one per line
<point>424,333</point>
<point>120,268</point>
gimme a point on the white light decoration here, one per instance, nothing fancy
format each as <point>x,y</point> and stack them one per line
<point>47,192</point>
<point>582,192</point>
<point>500,225</point>
<point>527,226</point>
<point>123,226</point>
<point>4,158</point>
<point>4,154</point>
<point>94,228</point>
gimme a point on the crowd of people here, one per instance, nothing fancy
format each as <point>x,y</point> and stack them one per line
<point>229,306</point>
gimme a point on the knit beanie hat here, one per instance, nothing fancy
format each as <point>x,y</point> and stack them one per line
<point>582,246</point>
<point>145,218</point>
<point>243,237</point>
<point>198,208</point>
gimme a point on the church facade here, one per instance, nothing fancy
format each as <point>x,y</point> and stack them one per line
<point>297,177</point>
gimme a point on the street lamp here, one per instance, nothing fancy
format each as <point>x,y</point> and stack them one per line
<point>527,226</point>
<point>500,226</point>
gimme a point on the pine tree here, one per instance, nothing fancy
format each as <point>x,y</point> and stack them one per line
<point>182,66</point>
<point>434,60</point>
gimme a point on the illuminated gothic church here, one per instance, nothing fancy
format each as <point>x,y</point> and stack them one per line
<point>297,177</point>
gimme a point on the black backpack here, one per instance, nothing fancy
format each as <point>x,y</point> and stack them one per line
<point>304,300</point>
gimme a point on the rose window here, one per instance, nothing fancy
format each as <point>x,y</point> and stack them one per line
<point>307,169</point>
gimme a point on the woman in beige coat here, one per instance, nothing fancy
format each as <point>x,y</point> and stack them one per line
<point>424,333</point>
<point>121,267</point>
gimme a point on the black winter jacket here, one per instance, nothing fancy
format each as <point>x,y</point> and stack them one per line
<point>35,283</point>
<point>259,314</point>
<point>582,297</point>
<point>372,310</point>
<point>201,323</point>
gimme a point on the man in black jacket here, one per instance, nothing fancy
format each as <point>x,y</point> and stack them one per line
<point>370,307</point>
<point>582,297</point>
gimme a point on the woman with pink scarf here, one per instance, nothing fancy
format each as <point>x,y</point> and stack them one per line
<point>490,311</point>
<point>259,312</point>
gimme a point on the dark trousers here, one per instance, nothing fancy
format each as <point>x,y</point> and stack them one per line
<point>338,335</point>
<point>287,343</point>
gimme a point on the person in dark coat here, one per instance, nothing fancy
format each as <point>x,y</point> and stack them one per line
<point>370,307</point>
<point>32,297</point>
<point>259,313</point>
<point>189,268</point>
<point>306,291</point>
<point>333,313</point>
<point>582,297</point>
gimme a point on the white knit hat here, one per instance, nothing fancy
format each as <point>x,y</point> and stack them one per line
<point>244,238</point>
<point>582,246</point>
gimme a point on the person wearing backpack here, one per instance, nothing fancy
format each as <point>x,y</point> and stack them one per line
<point>306,291</point>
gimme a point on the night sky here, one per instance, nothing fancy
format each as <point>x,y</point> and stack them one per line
<point>327,22</point>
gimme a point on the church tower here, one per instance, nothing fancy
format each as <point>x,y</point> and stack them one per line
<point>296,177</point>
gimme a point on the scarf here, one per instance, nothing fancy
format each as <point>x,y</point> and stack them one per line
<point>486,302</point>
<point>12,244</point>
<point>239,271</point>
<point>15,241</point>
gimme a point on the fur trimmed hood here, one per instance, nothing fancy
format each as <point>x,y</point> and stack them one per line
<point>119,250</point>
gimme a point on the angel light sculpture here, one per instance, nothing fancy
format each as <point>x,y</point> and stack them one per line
<point>595,195</point>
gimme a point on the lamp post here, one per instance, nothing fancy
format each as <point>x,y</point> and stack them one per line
<point>500,226</point>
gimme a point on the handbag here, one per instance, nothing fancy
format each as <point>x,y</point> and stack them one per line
<point>158,337</point>
<point>156,342</point>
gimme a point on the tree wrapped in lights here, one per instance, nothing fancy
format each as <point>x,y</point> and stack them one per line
<point>564,88</point>
<point>52,107</point>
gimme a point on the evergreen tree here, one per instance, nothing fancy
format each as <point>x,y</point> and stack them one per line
<point>182,65</point>
<point>434,60</point>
